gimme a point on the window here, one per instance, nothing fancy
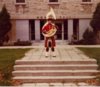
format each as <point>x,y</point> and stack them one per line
<point>20,1</point>
<point>86,0</point>
<point>53,0</point>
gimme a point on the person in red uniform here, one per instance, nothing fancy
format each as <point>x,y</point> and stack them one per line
<point>49,41</point>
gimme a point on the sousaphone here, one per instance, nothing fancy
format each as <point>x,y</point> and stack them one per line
<point>50,33</point>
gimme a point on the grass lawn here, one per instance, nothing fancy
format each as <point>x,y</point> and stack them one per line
<point>7,60</point>
<point>92,53</point>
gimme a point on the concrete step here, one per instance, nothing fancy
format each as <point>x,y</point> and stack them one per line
<point>54,62</point>
<point>49,79</point>
<point>81,84</point>
<point>48,71</point>
<point>57,67</point>
<point>55,73</point>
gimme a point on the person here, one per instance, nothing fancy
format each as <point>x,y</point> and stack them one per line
<point>50,40</point>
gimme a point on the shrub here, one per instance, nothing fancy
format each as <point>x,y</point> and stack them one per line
<point>22,43</point>
<point>1,43</point>
<point>5,23</point>
<point>80,42</point>
<point>88,37</point>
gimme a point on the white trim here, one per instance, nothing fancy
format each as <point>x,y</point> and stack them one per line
<point>37,29</point>
<point>62,31</point>
<point>70,29</point>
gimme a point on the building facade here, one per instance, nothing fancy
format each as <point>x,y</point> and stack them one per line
<point>28,17</point>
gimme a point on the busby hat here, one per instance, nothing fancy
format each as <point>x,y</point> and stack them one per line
<point>51,14</point>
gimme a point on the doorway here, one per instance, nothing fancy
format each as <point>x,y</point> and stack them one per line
<point>62,31</point>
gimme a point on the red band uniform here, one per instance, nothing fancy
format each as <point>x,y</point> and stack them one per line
<point>45,29</point>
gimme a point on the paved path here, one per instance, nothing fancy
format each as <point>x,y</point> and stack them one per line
<point>69,55</point>
<point>62,53</point>
<point>39,45</point>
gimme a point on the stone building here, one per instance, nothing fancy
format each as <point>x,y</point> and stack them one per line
<point>28,17</point>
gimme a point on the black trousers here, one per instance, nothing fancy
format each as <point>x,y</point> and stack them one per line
<point>49,46</point>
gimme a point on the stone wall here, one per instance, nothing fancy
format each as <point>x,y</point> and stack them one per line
<point>37,9</point>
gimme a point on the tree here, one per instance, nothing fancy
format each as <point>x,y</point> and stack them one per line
<point>95,23</point>
<point>5,23</point>
<point>88,37</point>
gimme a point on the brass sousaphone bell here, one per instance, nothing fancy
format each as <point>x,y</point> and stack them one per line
<point>50,33</point>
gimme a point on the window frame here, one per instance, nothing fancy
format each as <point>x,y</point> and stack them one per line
<point>55,1</point>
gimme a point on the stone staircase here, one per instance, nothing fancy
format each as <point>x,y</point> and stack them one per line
<point>50,71</point>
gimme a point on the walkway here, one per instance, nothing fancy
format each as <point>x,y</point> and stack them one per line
<point>63,53</point>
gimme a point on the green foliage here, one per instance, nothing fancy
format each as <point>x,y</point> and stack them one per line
<point>5,23</point>
<point>88,37</point>
<point>22,43</point>
<point>95,22</point>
